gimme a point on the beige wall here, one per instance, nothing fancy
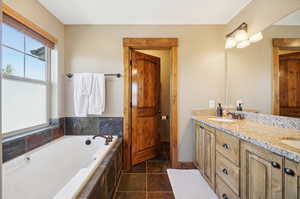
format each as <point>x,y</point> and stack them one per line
<point>260,14</point>
<point>33,11</point>
<point>250,70</point>
<point>201,65</point>
<point>165,65</point>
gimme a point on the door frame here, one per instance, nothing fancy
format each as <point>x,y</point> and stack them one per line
<point>130,44</point>
<point>280,44</point>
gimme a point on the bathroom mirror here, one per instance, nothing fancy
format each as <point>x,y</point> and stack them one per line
<point>265,76</point>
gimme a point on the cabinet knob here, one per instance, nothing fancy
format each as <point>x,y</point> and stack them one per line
<point>289,171</point>
<point>224,196</point>
<point>225,171</point>
<point>275,165</point>
<point>226,146</point>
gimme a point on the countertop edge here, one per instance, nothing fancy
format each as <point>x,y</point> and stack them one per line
<point>279,151</point>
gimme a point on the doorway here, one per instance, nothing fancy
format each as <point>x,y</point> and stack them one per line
<point>286,77</point>
<point>154,120</point>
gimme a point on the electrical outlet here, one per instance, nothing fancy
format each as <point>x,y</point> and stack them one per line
<point>212,104</point>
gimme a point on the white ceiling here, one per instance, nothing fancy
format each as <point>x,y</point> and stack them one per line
<point>290,20</point>
<point>144,12</point>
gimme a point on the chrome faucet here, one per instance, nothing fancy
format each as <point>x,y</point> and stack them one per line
<point>108,138</point>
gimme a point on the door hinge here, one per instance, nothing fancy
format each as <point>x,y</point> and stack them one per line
<point>130,62</point>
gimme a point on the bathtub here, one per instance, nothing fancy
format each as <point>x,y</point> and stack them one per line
<point>57,170</point>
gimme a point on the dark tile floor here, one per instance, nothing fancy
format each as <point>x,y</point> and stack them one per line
<point>148,180</point>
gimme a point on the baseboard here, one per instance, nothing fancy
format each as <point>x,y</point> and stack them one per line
<point>186,165</point>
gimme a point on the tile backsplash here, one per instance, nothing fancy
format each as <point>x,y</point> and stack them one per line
<point>274,120</point>
<point>94,126</point>
<point>18,145</point>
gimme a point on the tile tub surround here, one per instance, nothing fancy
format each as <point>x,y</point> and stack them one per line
<point>18,145</point>
<point>265,136</point>
<point>273,120</point>
<point>104,181</point>
<point>94,126</point>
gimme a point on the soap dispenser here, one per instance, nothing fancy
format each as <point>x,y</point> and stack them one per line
<point>219,110</point>
<point>239,107</point>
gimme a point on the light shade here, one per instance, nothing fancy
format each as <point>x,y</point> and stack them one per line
<point>243,44</point>
<point>241,35</point>
<point>230,42</point>
<point>256,37</point>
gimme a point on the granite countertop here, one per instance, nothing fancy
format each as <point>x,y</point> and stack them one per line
<point>268,137</point>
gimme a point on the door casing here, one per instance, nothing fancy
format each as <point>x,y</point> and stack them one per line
<point>130,44</point>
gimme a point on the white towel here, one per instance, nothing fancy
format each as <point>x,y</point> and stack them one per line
<point>97,96</point>
<point>82,90</point>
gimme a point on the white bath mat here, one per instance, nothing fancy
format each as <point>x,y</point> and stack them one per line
<point>189,184</point>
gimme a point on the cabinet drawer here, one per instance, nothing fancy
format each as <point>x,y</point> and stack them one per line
<point>228,172</point>
<point>228,146</point>
<point>223,191</point>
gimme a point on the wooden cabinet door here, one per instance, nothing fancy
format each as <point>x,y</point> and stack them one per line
<point>292,180</point>
<point>207,156</point>
<point>145,106</point>
<point>197,146</point>
<point>261,173</point>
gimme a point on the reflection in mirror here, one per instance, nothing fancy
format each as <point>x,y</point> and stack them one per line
<point>265,76</point>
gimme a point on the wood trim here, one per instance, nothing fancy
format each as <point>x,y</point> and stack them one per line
<point>18,17</point>
<point>130,44</point>
<point>186,165</point>
<point>275,80</point>
<point>174,110</point>
<point>150,43</point>
<point>127,110</point>
<point>286,42</point>
<point>279,43</point>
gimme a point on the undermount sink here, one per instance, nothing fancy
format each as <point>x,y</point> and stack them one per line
<point>293,143</point>
<point>219,119</point>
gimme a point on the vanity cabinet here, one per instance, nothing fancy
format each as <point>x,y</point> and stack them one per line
<point>261,173</point>
<point>205,153</point>
<point>291,180</point>
<point>240,170</point>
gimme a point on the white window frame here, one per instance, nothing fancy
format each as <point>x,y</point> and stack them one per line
<point>47,82</point>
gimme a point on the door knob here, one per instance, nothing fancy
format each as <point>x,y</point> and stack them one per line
<point>164,117</point>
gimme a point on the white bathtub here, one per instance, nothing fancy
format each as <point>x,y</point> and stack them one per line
<point>57,170</point>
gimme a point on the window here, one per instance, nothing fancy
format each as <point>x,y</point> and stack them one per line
<point>25,84</point>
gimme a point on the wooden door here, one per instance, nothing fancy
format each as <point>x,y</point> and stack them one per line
<point>145,106</point>
<point>292,180</point>
<point>289,84</point>
<point>261,173</point>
